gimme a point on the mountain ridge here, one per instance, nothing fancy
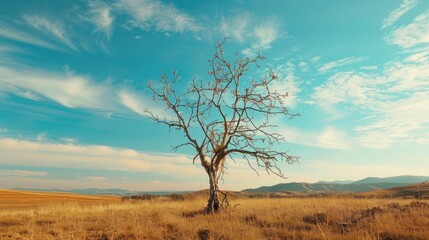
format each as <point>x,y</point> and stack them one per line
<point>362,185</point>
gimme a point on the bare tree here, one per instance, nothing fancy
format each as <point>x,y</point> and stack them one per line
<point>228,116</point>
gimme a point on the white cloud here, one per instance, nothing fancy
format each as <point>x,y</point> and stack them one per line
<point>133,101</point>
<point>287,83</point>
<point>393,101</point>
<point>424,139</point>
<point>11,32</point>
<point>95,179</point>
<point>7,52</point>
<point>303,65</point>
<point>398,120</point>
<point>339,63</point>
<point>96,157</point>
<point>406,6</point>
<point>66,88</point>
<point>370,68</point>
<point>155,15</point>
<point>236,27</point>
<point>245,27</point>
<point>412,34</point>
<point>70,141</point>
<point>24,93</point>
<point>82,183</point>
<point>53,28</point>
<point>408,77</point>
<point>329,137</point>
<point>41,136</point>
<point>21,173</point>
<point>357,89</point>
<point>73,91</point>
<point>419,55</point>
<point>100,15</point>
<point>42,154</point>
<point>264,34</point>
<point>138,103</point>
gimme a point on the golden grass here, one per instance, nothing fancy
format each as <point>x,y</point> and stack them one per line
<point>287,218</point>
<point>21,199</point>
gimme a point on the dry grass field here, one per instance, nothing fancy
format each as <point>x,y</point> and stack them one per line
<point>26,215</point>
<point>27,199</point>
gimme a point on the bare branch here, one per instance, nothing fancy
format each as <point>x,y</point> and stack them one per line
<point>227,117</point>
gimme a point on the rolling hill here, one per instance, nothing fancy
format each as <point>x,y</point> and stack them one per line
<point>420,190</point>
<point>20,198</point>
<point>363,185</point>
<point>397,179</point>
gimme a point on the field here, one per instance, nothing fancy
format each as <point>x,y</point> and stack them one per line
<point>26,215</point>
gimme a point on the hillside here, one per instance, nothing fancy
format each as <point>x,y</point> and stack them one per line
<point>19,198</point>
<point>250,218</point>
<point>420,190</point>
<point>397,179</point>
<point>363,185</point>
<point>324,187</point>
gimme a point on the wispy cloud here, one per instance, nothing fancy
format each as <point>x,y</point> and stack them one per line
<point>347,87</point>
<point>73,90</point>
<point>22,173</point>
<point>100,15</point>
<point>43,154</point>
<point>288,82</point>
<point>54,29</point>
<point>236,27</point>
<point>133,101</point>
<point>264,34</point>
<point>412,34</point>
<point>418,55</point>
<point>13,32</point>
<point>157,16</point>
<point>138,103</point>
<point>7,53</point>
<point>245,27</point>
<point>339,63</point>
<point>393,100</point>
<point>330,137</point>
<point>66,88</point>
<point>394,16</point>
<point>69,141</point>
<point>397,121</point>
<point>95,179</point>
<point>105,158</point>
<point>41,136</point>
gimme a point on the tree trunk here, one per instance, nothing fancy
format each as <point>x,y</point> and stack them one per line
<point>213,203</point>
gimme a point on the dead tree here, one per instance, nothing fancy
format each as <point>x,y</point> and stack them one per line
<point>227,116</point>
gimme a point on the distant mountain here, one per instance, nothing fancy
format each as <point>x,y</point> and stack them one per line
<point>87,191</point>
<point>398,179</point>
<point>337,182</point>
<point>324,187</point>
<point>420,190</point>
<point>98,191</point>
<point>364,185</point>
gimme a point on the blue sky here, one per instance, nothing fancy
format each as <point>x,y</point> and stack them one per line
<point>73,77</point>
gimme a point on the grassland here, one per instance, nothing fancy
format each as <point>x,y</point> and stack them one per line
<point>26,215</point>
